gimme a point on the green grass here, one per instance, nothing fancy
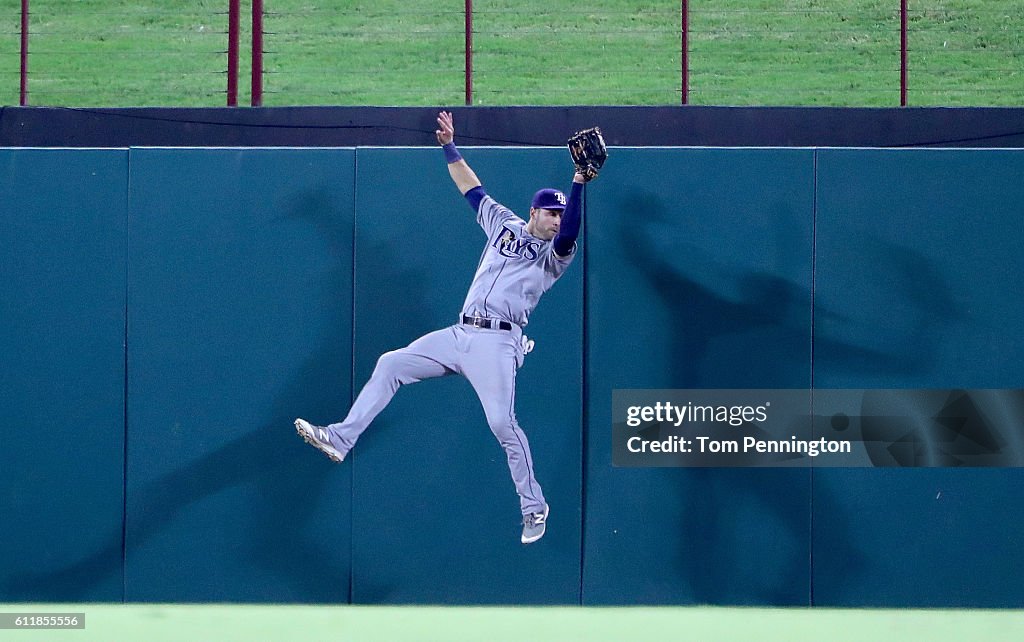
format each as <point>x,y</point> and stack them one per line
<point>223,623</point>
<point>538,52</point>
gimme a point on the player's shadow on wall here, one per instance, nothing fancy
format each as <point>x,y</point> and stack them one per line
<point>270,463</point>
<point>744,329</point>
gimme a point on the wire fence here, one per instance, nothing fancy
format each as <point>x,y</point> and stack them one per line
<point>116,53</point>
<point>955,53</point>
<point>506,52</point>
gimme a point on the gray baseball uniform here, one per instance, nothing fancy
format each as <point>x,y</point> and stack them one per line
<point>515,269</point>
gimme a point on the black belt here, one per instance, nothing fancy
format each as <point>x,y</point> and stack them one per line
<point>484,322</point>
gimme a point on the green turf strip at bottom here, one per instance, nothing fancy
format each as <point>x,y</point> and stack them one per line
<point>154,623</point>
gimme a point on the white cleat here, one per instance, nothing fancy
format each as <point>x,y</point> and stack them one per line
<point>318,438</point>
<point>534,526</point>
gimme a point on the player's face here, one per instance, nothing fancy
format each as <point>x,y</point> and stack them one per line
<point>546,223</point>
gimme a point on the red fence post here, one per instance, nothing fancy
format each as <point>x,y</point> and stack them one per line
<point>903,53</point>
<point>257,53</point>
<point>469,52</point>
<point>23,97</point>
<point>685,62</point>
<point>233,29</point>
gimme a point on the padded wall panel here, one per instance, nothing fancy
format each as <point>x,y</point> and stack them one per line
<point>699,276</point>
<point>918,274</point>
<point>240,320</point>
<point>437,517</point>
<point>63,215</point>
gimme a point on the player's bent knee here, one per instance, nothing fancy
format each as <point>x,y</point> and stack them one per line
<point>388,365</point>
<point>393,368</point>
<point>388,360</point>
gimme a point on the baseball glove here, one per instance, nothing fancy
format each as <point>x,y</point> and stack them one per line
<point>588,152</point>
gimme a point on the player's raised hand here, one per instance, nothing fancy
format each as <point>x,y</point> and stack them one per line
<point>446,128</point>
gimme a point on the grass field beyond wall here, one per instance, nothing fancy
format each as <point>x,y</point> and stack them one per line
<point>526,52</point>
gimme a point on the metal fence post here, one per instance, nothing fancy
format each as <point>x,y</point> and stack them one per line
<point>233,29</point>
<point>469,52</point>
<point>684,28</point>
<point>257,53</point>
<point>23,95</point>
<point>903,53</point>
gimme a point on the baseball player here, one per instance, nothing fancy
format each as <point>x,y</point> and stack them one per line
<point>520,261</point>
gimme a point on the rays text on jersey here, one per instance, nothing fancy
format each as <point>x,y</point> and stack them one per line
<point>509,246</point>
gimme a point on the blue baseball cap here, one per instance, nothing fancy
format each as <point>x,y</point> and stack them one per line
<point>548,199</point>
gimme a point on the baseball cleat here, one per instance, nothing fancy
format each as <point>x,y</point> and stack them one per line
<point>318,438</point>
<point>534,525</point>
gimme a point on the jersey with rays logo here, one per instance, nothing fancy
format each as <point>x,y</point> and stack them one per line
<point>515,268</point>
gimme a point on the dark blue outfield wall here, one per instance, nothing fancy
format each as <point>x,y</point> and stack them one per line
<point>682,126</point>
<point>168,312</point>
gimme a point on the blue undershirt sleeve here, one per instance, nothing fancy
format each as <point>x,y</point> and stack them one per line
<point>474,196</point>
<point>569,230</point>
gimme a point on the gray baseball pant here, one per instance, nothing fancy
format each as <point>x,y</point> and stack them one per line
<point>489,359</point>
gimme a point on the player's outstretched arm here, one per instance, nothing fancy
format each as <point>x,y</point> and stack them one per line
<point>569,231</point>
<point>463,176</point>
